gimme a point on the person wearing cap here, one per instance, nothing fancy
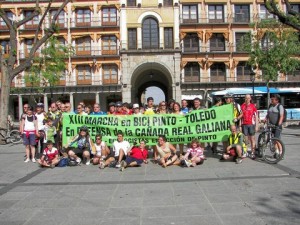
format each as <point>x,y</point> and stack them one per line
<point>40,115</point>
<point>85,146</point>
<point>119,109</point>
<point>50,156</point>
<point>29,130</point>
<point>97,110</point>
<point>150,110</point>
<point>136,109</point>
<point>111,108</point>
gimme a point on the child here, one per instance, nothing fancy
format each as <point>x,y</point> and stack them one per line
<point>195,154</point>
<point>102,151</point>
<point>50,156</point>
<point>84,146</point>
<point>50,131</point>
<point>136,156</point>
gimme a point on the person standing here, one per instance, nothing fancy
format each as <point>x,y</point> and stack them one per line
<point>184,106</point>
<point>249,120</point>
<point>150,110</point>
<point>97,110</point>
<point>40,115</point>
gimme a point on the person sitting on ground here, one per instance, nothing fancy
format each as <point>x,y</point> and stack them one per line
<point>101,150</point>
<point>120,149</point>
<point>136,156</point>
<point>166,151</point>
<point>236,148</point>
<point>84,146</point>
<point>50,156</point>
<point>194,155</point>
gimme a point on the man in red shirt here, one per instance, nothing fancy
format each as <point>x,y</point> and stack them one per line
<point>250,123</point>
<point>136,156</point>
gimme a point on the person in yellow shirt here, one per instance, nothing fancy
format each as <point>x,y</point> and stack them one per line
<point>150,110</point>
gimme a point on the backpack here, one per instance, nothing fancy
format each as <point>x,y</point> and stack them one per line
<point>63,162</point>
<point>284,112</point>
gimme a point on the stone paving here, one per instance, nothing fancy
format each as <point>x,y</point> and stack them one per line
<point>213,193</point>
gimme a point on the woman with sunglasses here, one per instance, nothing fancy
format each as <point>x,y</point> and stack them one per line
<point>101,151</point>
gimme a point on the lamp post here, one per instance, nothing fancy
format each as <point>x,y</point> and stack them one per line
<point>252,79</point>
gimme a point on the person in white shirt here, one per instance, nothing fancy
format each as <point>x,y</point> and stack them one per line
<point>120,150</point>
<point>101,151</point>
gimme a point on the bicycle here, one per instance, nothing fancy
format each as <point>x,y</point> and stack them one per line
<point>11,136</point>
<point>269,148</point>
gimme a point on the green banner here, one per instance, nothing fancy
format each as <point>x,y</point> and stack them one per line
<point>207,125</point>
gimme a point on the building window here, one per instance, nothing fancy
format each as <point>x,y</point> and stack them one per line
<point>84,74</point>
<point>32,23</point>
<point>168,37</point>
<point>150,34</point>
<point>217,42</point>
<point>131,2</point>
<point>189,14</point>
<point>109,16</point>
<point>295,76</point>
<point>109,45</point>
<point>83,17</point>
<point>60,19</point>
<point>192,72</point>
<point>28,43</point>
<point>266,43</point>
<point>83,46</point>
<point>5,47</point>
<point>218,72</point>
<point>241,38</point>
<point>132,38</point>
<point>243,71</point>
<point>264,13</point>
<point>168,2</point>
<point>110,74</point>
<point>9,15</point>
<point>191,43</point>
<point>215,13</point>
<point>296,7</point>
<point>241,13</point>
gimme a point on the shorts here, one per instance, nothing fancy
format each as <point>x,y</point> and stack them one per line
<point>30,140</point>
<point>277,131</point>
<point>248,130</point>
<point>129,160</point>
<point>78,151</point>
<point>232,152</point>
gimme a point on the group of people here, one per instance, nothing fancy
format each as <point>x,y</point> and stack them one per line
<point>43,130</point>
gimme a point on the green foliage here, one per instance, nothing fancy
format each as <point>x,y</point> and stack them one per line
<point>50,66</point>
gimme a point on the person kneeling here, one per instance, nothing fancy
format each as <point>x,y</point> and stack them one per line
<point>236,148</point>
<point>50,156</point>
<point>136,156</point>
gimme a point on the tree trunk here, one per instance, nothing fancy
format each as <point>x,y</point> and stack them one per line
<point>4,97</point>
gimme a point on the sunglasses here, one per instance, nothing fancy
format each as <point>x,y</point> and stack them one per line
<point>98,138</point>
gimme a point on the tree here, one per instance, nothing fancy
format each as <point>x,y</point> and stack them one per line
<point>9,68</point>
<point>291,18</point>
<point>50,67</point>
<point>274,49</point>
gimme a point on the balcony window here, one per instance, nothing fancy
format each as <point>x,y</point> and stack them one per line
<point>191,43</point>
<point>217,42</point>
<point>131,2</point>
<point>150,34</point>
<point>109,45</point>
<point>109,16</point>
<point>192,72</point>
<point>168,2</point>
<point>215,13</point>
<point>32,23</point>
<point>83,46</point>
<point>241,39</point>
<point>84,74</point>
<point>264,13</point>
<point>60,19</point>
<point>9,15</point>
<point>110,74</point>
<point>83,17</point>
<point>5,47</point>
<point>243,72</point>
<point>168,37</point>
<point>241,13</point>
<point>132,38</point>
<point>189,14</point>
<point>218,72</point>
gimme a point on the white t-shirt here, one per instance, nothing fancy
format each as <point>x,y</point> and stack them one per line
<point>99,148</point>
<point>40,120</point>
<point>121,145</point>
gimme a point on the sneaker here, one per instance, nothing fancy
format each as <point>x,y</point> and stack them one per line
<point>33,160</point>
<point>52,166</point>
<point>187,163</point>
<point>102,164</point>
<point>88,162</point>
<point>123,165</point>
<point>27,160</point>
<point>118,165</point>
<point>252,156</point>
<point>239,160</point>
<point>78,160</point>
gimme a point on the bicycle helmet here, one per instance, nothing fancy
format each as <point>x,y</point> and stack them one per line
<point>84,128</point>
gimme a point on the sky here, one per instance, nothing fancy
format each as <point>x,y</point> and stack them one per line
<point>157,94</point>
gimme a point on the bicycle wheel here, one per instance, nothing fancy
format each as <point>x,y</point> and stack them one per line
<point>15,137</point>
<point>274,151</point>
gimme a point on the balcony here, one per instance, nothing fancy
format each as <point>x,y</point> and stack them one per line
<point>94,22</point>
<point>87,51</point>
<point>25,53</point>
<point>241,18</point>
<point>243,77</point>
<point>84,81</point>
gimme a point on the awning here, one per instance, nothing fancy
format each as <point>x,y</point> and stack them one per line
<point>190,97</point>
<point>257,90</point>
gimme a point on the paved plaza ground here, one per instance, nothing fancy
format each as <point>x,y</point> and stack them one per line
<point>214,193</point>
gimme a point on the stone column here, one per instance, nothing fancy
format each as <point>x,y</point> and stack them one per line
<point>139,38</point>
<point>20,99</point>
<point>72,101</point>
<point>46,103</point>
<point>97,98</point>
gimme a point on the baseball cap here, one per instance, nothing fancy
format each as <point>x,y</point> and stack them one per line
<point>136,106</point>
<point>119,104</point>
